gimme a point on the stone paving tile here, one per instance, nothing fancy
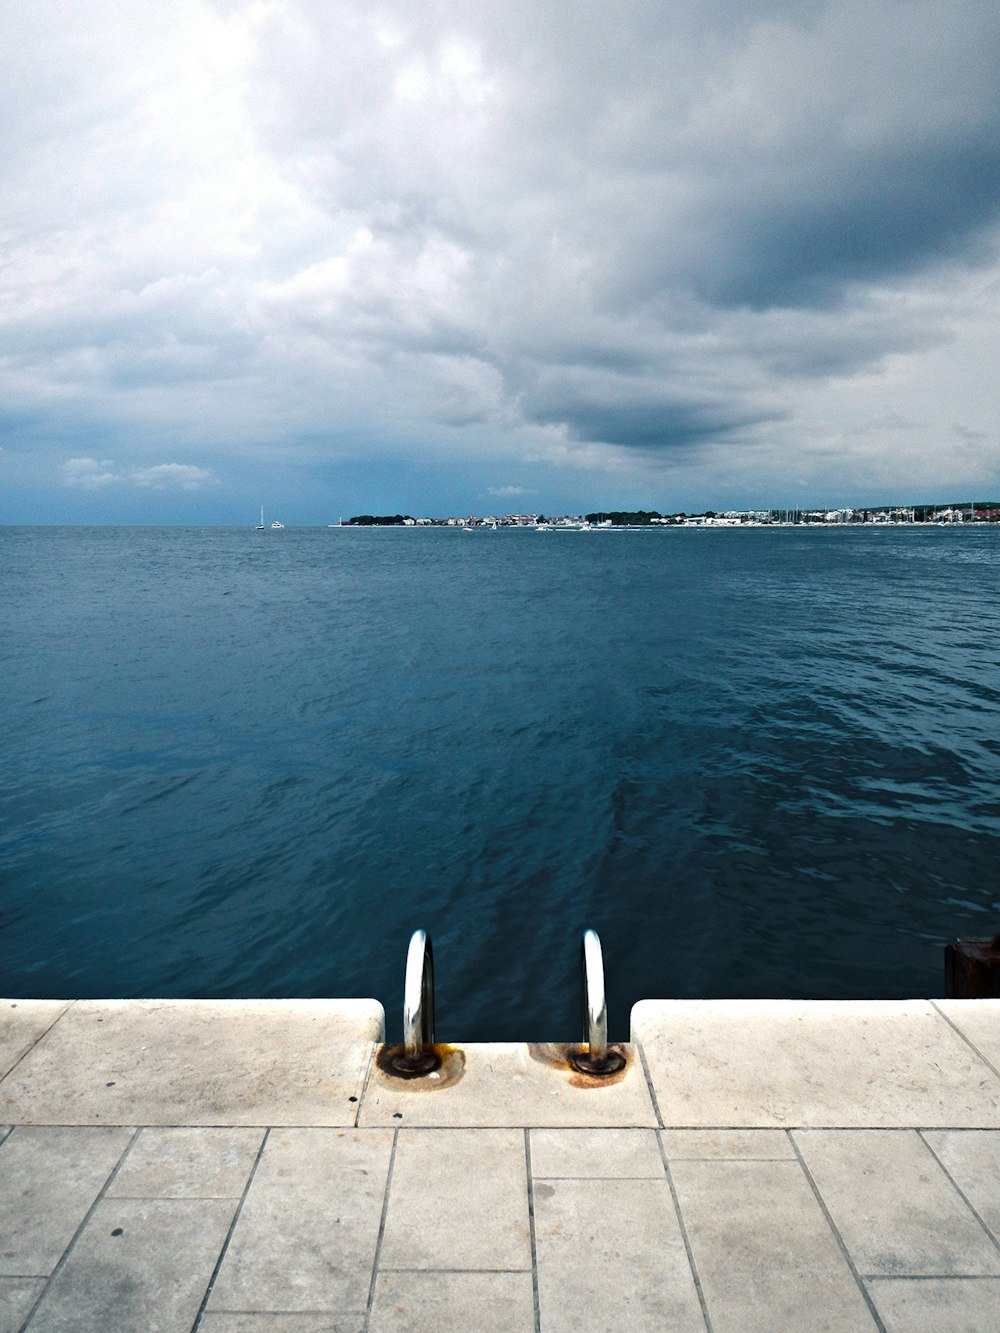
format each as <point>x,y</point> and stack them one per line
<point>766,1257</point>
<point>49,1179</point>
<point>17,1296</point>
<point>778,1063</point>
<point>762,1145</point>
<point>611,1257</point>
<point>895,1208</point>
<point>509,1084</point>
<point>972,1158</point>
<point>595,1153</point>
<point>458,1199</point>
<point>937,1305</point>
<point>282,1323</point>
<point>22,1023</point>
<point>177,1163</point>
<point>305,1240</point>
<point>453,1303</point>
<point>137,1264</point>
<point>196,1062</point>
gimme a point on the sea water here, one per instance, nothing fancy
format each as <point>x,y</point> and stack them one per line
<point>760,762</point>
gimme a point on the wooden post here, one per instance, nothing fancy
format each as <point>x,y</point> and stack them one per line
<point>972,969</point>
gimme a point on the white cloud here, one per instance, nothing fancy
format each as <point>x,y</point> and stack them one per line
<point>503,491</point>
<point>90,474</point>
<point>182,476</point>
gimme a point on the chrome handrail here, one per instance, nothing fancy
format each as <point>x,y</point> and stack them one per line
<point>593,1004</point>
<point>418,995</point>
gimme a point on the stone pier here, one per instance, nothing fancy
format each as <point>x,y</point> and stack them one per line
<point>256,1167</point>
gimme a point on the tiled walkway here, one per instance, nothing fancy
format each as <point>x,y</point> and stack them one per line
<point>237,1167</point>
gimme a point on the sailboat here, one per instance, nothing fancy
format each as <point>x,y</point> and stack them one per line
<point>275,526</point>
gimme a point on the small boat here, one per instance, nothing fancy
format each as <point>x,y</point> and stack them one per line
<point>277,527</point>
<point>260,525</point>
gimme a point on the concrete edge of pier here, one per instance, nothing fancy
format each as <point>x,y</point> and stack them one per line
<point>691,1064</point>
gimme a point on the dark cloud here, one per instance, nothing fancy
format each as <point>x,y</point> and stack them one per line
<point>670,424</point>
<point>884,218</point>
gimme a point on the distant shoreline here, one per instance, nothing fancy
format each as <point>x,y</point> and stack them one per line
<point>698,524</point>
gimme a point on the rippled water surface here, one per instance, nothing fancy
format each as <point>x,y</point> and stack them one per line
<point>759,762</point>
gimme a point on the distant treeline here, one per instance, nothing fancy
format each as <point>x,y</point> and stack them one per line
<point>622,517</point>
<point>378,520</point>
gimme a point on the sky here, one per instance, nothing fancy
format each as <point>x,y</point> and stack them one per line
<point>339,257</point>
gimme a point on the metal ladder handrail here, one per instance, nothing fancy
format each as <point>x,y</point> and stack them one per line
<point>593,1003</point>
<point>418,995</point>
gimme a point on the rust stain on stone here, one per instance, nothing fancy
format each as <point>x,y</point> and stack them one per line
<point>571,1059</point>
<point>435,1068</point>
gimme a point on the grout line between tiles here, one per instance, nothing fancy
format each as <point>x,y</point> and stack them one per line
<point>229,1234</point>
<point>649,1084</point>
<point>381,1231</point>
<point>458,1272</point>
<point>369,1069</point>
<point>531,1227</point>
<point>865,1296</point>
<point>968,1040</point>
<point>684,1236</point>
<point>961,1192</point>
<point>41,1036</point>
<point>931,1277</point>
<point>76,1234</point>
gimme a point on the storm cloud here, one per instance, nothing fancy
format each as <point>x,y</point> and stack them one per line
<point>423,253</point>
